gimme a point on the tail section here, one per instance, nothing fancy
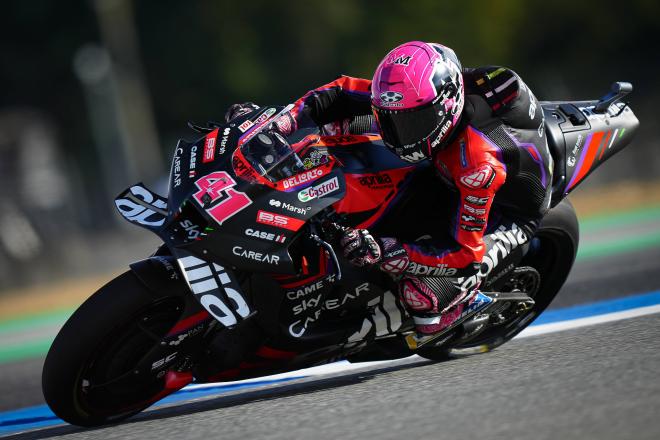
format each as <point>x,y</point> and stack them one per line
<point>584,134</point>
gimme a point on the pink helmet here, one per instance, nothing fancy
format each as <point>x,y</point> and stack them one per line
<point>417,96</point>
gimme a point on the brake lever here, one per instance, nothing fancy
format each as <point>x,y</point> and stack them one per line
<point>328,247</point>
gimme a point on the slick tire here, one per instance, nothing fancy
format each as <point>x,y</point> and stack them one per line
<point>558,238</point>
<point>103,341</point>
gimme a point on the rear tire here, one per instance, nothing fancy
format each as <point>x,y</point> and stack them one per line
<point>89,376</point>
<point>558,237</point>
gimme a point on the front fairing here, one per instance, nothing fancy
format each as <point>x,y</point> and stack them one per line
<point>217,212</point>
<point>222,216</point>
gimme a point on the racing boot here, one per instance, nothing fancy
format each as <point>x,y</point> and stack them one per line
<point>437,305</point>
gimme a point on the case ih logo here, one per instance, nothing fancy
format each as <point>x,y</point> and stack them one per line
<point>301,178</point>
<point>279,220</point>
<point>483,177</point>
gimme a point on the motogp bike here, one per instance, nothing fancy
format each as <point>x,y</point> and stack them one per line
<point>248,283</point>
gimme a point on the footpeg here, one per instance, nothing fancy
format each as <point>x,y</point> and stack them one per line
<point>479,304</point>
<point>525,306</point>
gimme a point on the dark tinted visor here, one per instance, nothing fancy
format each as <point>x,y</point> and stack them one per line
<point>404,127</point>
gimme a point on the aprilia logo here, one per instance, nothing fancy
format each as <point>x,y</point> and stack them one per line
<point>443,131</point>
<point>139,205</point>
<point>203,278</point>
<point>376,180</point>
<point>504,243</point>
<point>439,271</point>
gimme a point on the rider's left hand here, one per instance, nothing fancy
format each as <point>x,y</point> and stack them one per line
<point>285,124</point>
<point>360,247</point>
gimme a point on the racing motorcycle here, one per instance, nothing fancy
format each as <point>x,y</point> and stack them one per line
<point>248,282</point>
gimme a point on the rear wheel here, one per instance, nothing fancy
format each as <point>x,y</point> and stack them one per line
<point>107,363</point>
<point>552,257</point>
<point>542,272</point>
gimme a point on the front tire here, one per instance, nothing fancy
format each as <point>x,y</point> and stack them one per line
<point>99,368</point>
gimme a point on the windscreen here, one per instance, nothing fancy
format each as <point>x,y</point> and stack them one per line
<point>269,153</point>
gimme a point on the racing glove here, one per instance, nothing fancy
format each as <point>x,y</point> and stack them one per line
<point>285,124</point>
<point>360,247</point>
<point>236,110</point>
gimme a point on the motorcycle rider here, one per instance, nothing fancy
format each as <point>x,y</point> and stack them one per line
<point>483,131</point>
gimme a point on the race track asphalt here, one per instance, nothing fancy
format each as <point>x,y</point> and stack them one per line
<point>600,381</point>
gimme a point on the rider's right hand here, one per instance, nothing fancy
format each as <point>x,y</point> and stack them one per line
<point>236,110</point>
<point>285,124</point>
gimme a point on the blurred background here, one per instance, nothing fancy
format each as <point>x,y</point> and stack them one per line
<point>95,93</point>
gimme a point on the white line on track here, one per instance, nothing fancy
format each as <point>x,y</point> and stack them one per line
<point>345,366</point>
<point>591,320</point>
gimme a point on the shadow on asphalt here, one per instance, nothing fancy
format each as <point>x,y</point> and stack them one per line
<point>307,386</point>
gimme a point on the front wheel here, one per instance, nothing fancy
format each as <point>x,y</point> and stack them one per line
<point>107,362</point>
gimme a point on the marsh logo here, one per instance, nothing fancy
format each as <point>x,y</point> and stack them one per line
<point>223,141</point>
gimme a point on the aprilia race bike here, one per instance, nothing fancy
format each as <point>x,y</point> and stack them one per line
<point>247,282</point>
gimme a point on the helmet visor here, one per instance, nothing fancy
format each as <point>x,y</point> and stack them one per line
<point>404,127</point>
